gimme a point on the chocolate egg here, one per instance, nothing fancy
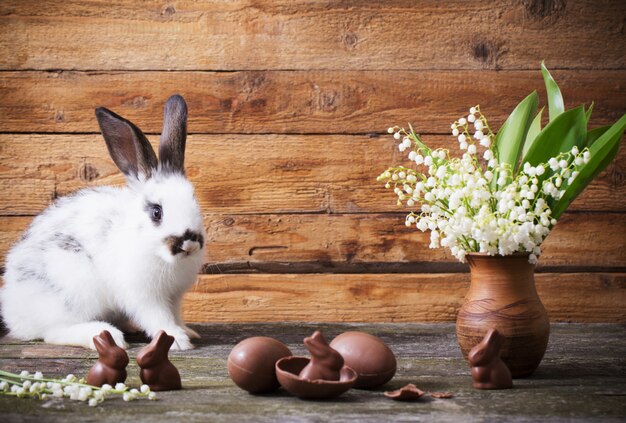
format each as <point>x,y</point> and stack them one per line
<point>251,363</point>
<point>369,356</point>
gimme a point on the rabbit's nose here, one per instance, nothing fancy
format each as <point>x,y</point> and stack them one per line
<point>189,246</point>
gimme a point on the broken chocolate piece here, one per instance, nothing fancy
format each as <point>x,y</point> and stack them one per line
<point>441,395</point>
<point>409,392</point>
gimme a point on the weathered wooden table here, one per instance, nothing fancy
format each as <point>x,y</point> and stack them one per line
<point>582,377</point>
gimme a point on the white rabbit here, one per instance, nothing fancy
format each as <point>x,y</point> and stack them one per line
<point>111,256</point>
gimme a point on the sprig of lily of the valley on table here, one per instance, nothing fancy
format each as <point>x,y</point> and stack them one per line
<point>509,199</point>
<point>35,385</point>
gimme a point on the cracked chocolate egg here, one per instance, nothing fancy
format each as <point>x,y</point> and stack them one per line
<point>288,371</point>
<point>368,355</point>
<point>321,376</point>
<point>251,364</point>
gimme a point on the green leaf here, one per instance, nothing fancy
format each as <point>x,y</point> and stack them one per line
<point>588,112</point>
<point>533,131</point>
<point>569,129</point>
<point>603,151</point>
<point>595,133</point>
<point>555,99</point>
<point>510,138</point>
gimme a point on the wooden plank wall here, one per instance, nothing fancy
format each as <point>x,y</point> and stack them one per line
<point>289,101</point>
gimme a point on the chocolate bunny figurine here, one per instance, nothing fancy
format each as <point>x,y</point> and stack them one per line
<point>156,369</point>
<point>488,369</point>
<point>325,362</point>
<point>111,365</point>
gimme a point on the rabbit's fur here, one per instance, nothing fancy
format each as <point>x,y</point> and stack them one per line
<point>110,256</point>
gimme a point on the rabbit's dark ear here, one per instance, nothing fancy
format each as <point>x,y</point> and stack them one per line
<point>174,135</point>
<point>128,146</point>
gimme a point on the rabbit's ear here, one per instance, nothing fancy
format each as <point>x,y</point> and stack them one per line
<point>128,146</point>
<point>174,135</point>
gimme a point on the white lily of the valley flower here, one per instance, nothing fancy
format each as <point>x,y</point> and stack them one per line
<point>461,208</point>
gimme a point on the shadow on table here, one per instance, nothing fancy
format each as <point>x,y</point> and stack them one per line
<point>573,371</point>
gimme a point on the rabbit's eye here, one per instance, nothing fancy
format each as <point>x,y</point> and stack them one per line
<point>156,213</point>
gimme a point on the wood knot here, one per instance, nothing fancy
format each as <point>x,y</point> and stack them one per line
<point>229,221</point>
<point>360,290</point>
<point>482,52</point>
<point>138,102</point>
<point>88,173</point>
<point>254,82</point>
<point>226,104</point>
<point>168,11</point>
<point>59,116</point>
<point>488,52</point>
<point>606,282</point>
<point>258,103</point>
<point>544,8</point>
<point>327,101</point>
<point>615,176</point>
<point>288,165</point>
<point>350,40</point>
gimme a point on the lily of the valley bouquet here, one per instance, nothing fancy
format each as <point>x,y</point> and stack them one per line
<point>507,190</point>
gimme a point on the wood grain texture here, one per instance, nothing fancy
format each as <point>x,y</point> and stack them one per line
<point>582,361</point>
<point>584,297</point>
<point>306,34</point>
<point>246,174</point>
<point>292,102</point>
<point>287,101</point>
<point>374,243</point>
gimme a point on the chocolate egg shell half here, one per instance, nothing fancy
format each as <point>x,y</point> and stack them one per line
<point>368,355</point>
<point>288,370</point>
<point>251,364</point>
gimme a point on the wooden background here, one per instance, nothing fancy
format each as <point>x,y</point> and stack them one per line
<point>289,102</point>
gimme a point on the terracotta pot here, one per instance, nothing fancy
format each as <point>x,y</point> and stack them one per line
<point>502,295</point>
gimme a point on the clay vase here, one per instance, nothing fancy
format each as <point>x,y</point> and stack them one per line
<point>502,295</point>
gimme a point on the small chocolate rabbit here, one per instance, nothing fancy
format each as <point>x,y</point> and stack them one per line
<point>111,365</point>
<point>325,362</point>
<point>157,371</point>
<point>488,369</point>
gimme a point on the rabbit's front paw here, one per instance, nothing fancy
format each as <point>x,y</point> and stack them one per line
<point>192,334</point>
<point>181,343</point>
<point>181,340</point>
<point>116,334</point>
